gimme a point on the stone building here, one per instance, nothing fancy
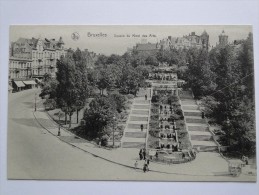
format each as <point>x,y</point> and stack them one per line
<point>31,58</point>
<point>223,39</point>
<point>147,48</point>
<point>37,56</point>
<point>186,42</point>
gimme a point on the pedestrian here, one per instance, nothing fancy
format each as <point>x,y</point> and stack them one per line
<point>136,164</point>
<point>140,154</point>
<point>141,127</point>
<point>146,97</point>
<point>202,115</point>
<point>144,154</point>
<point>161,108</point>
<point>144,168</point>
<point>147,162</point>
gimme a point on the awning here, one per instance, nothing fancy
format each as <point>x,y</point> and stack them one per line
<point>38,80</point>
<point>19,84</point>
<point>29,82</point>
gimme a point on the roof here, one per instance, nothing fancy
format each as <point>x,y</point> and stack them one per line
<point>29,82</point>
<point>49,44</point>
<point>146,46</point>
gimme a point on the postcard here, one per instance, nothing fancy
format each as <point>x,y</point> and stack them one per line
<point>131,102</point>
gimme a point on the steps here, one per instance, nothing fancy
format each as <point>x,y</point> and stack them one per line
<point>141,106</point>
<point>135,134</point>
<point>133,137</point>
<point>192,113</point>
<point>189,107</point>
<point>133,144</point>
<point>197,127</point>
<point>195,120</point>
<point>138,118</point>
<point>140,112</point>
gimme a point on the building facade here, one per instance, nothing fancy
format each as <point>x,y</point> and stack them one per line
<point>32,58</point>
<point>223,39</point>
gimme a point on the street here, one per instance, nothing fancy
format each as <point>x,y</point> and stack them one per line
<point>33,153</point>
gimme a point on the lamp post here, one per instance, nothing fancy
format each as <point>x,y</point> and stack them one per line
<point>59,113</point>
<point>113,130</point>
<point>35,106</point>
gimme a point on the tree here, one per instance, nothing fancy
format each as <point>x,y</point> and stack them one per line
<point>49,88</point>
<point>130,79</point>
<point>118,100</point>
<point>81,81</point>
<point>98,116</point>
<point>199,74</point>
<point>66,90</point>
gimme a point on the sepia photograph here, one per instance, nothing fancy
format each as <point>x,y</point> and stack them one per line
<point>131,103</point>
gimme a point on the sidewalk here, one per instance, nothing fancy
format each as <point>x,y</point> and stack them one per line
<point>205,164</point>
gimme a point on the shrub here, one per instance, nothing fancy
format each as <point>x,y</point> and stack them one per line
<point>50,104</point>
<point>104,140</point>
<point>155,98</point>
<point>175,117</point>
<point>130,96</point>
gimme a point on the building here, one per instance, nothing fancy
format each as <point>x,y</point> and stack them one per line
<point>32,58</point>
<point>190,41</point>
<point>91,58</point>
<point>42,54</point>
<point>223,39</point>
<point>147,48</point>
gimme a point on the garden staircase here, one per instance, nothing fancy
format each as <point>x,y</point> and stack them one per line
<point>133,137</point>
<point>197,127</point>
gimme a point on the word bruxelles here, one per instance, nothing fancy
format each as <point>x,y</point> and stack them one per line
<point>96,34</point>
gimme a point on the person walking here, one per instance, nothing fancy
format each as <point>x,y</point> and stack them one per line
<point>144,154</point>
<point>140,154</point>
<point>148,162</point>
<point>136,164</point>
<point>145,168</point>
<point>202,115</point>
<point>141,127</point>
<point>146,97</point>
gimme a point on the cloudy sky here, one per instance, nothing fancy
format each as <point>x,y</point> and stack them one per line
<point>116,39</point>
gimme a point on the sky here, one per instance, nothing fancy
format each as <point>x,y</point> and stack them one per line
<point>115,39</point>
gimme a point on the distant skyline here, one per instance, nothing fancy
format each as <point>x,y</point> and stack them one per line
<point>113,38</point>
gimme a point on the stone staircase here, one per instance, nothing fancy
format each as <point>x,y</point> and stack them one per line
<point>200,136</point>
<point>133,137</point>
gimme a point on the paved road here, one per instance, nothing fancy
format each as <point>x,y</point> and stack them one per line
<point>33,153</point>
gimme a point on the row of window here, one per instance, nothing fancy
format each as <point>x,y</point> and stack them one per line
<point>25,73</point>
<point>16,64</point>
<point>47,54</point>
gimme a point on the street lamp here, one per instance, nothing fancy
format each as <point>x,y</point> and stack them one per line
<point>113,130</point>
<point>35,107</point>
<point>59,113</point>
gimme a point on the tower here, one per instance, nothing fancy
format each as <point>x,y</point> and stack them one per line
<point>223,39</point>
<point>205,40</point>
